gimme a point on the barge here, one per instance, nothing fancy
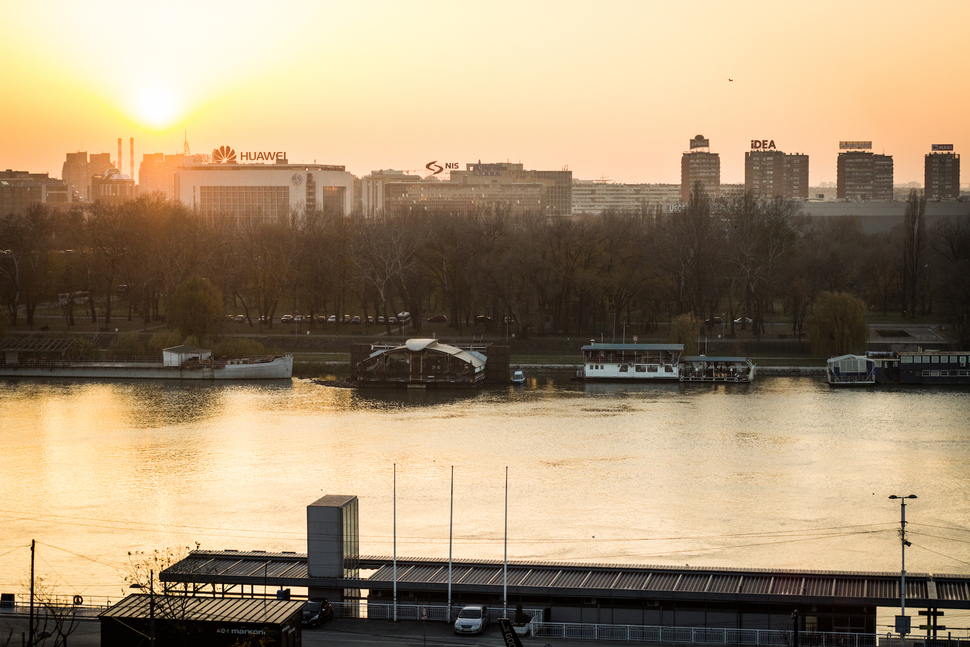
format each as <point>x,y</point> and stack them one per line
<point>61,359</point>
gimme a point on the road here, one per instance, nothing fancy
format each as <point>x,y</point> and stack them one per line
<point>341,632</point>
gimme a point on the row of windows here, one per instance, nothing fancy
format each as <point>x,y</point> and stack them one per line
<point>934,359</point>
<point>946,373</point>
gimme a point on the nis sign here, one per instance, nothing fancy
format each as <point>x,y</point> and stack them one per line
<point>763,145</point>
<point>436,168</point>
<point>226,155</point>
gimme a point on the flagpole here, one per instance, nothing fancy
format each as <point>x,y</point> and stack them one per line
<point>505,575</point>
<point>395,542</point>
<point>451,525</point>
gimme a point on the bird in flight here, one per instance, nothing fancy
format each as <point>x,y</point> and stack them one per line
<point>731,80</point>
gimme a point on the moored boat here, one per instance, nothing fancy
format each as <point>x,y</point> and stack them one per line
<point>631,361</point>
<point>701,368</point>
<point>850,370</point>
<point>518,377</point>
<point>61,359</point>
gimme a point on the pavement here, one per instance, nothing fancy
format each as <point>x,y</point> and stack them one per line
<point>340,632</point>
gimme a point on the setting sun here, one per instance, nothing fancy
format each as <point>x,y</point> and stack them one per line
<point>157,106</point>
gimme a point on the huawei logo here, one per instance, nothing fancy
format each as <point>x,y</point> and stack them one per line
<point>224,155</point>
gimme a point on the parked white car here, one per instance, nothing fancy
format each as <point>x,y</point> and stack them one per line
<point>472,620</point>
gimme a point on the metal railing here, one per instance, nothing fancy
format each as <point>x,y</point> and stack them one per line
<point>432,612</point>
<point>708,636</point>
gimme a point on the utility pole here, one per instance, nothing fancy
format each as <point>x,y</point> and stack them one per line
<point>903,625</point>
<point>30,624</point>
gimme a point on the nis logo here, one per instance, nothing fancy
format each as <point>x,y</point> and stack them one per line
<point>436,168</point>
<point>763,145</point>
<point>226,155</point>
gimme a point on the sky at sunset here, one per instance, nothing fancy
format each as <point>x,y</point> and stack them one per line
<point>607,89</point>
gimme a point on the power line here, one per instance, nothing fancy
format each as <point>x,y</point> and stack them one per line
<point>941,554</point>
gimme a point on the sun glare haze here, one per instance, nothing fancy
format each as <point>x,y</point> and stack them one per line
<point>608,89</point>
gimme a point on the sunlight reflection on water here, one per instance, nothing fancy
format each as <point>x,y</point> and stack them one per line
<point>784,473</point>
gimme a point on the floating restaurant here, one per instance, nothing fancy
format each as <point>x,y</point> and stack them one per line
<point>421,363</point>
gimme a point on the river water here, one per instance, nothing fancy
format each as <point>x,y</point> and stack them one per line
<point>783,473</point>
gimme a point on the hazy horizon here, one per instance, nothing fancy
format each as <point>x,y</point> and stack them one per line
<point>607,89</point>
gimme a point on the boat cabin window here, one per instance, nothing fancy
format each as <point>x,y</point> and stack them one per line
<point>624,368</point>
<point>906,359</point>
<point>953,359</point>
<point>935,359</point>
<point>641,369</point>
<point>652,369</point>
<point>963,360</point>
<point>926,373</point>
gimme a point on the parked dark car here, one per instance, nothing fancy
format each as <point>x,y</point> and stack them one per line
<point>714,321</point>
<point>316,612</point>
<point>483,319</point>
<point>285,319</point>
<point>438,319</point>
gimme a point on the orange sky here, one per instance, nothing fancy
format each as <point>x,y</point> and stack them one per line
<point>609,89</point>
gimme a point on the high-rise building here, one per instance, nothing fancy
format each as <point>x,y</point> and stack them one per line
<point>557,186</point>
<point>156,174</point>
<point>372,188</point>
<point>942,176</point>
<point>481,185</point>
<point>773,173</point>
<point>863,176</point>
<point>252,193</point>
<point>20,189</point>
<point>699,164</point>
<point>78,170</point>
<point>592,197</point>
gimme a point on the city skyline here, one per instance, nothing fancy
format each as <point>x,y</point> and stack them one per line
<point>611,90</point>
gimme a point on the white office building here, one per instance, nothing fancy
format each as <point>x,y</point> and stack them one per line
<point>264,192</point>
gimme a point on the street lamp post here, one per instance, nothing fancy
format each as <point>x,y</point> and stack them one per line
<point>151,605</point>
<point>902,620</point>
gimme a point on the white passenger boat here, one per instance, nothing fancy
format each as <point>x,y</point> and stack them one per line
<point>631,361</point>
<point>850,370</point>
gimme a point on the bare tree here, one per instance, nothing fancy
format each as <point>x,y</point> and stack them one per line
<point>914,247</point>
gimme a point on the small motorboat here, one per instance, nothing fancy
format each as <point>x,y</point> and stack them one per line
<point>518,377</point>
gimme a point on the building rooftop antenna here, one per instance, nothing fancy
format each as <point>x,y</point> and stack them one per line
<point>185,148</point>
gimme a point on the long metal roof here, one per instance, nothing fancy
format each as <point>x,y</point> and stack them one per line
<point>206,609</point>
<point>566,579</point>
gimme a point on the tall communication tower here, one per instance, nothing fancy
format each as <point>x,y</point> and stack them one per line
<point>185,146</point>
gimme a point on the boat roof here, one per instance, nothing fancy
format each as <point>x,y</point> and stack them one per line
<point>713,358</point>
<point>474,358</point>
<point>599,346</point>
<point>184,349</point>
<point>849,356</point>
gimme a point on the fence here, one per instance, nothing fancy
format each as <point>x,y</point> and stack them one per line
<point>432,612</point>
<point>706,636</point>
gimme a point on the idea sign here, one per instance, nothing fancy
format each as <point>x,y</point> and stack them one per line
<point>763,145</point>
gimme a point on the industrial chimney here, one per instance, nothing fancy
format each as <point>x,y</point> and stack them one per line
<point>131,159</point>
<point>119,154</point>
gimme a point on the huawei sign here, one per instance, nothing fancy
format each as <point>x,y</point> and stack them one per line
<point>224,155</point>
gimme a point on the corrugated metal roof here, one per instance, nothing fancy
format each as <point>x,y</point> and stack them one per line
<point>571,579</point>
<point>241,610</point>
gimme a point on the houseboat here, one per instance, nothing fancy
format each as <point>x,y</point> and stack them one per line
<point>633,362</point>
<point>850,370</point>
<point>701,368</point>
<point>934,367</point>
